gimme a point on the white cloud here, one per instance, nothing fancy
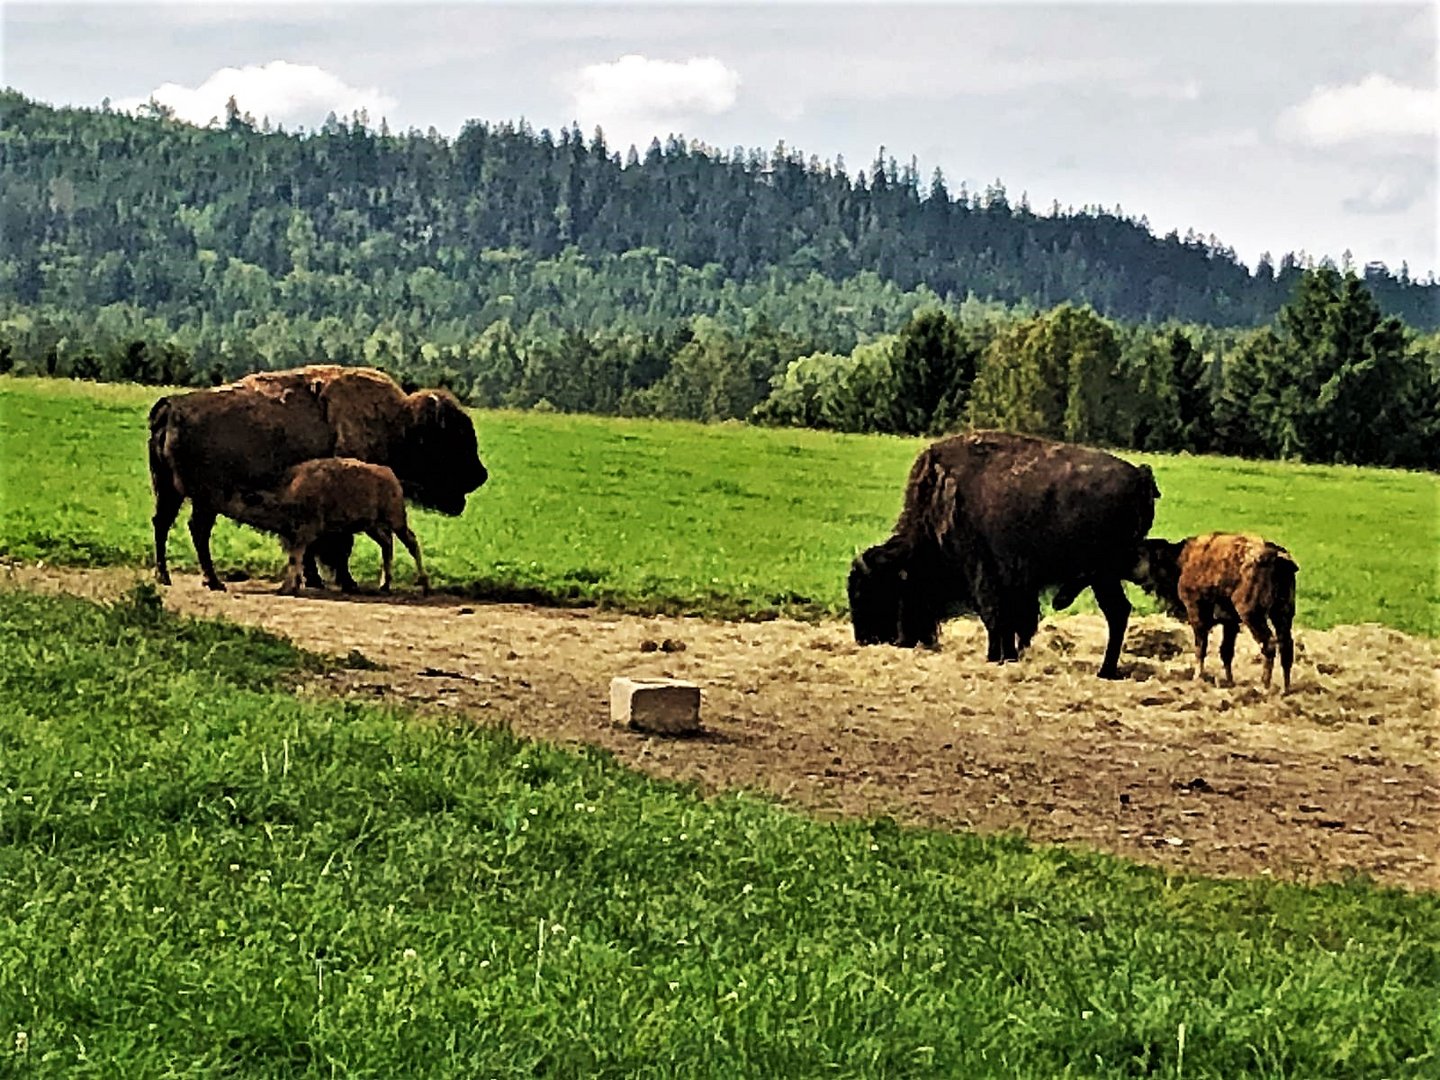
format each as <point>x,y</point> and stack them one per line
<point>1222,140</point>
<point>286,93</point>
<point>1394,189</point>
<point>635,99</point>
<point>1375,107</point>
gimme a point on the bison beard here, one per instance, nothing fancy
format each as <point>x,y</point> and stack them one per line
<point>992,518</point>
<point>209,445</point>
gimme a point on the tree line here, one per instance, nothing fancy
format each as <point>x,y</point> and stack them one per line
<point>1331,379</point>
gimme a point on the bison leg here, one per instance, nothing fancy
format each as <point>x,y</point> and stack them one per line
<point>309,571</point>
<point>1201,629</point>
<point>333,550</point>
<point>1228,632</point>
<point>1013,636</point>
<point>1202,618</point>
<point>1110,595</point>
<point>167,509</point>
<point>1282,617</point>
<point>994,644</point>
<point>1026,621</point>
<point>293,569</point>
<point>202,520</point>
<point>412,545</point>
<point>997,627</point>
<point>382,535</point>
<point>991,601</point>
<point>1260,627</point>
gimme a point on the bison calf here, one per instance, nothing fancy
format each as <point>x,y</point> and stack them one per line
<point>1228,579</point>
<point>327,496</point>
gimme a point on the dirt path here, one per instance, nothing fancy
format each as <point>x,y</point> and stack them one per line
<point>1343,774</point>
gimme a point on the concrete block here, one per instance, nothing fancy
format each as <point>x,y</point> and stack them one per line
<point>661,706</point>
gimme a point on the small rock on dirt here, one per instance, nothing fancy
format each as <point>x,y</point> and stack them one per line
<point>660,706</point>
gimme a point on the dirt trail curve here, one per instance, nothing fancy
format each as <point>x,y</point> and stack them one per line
<point>1343,774</point>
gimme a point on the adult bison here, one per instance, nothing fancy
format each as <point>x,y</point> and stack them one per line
<point>209,446</point>
<point>990,519</point>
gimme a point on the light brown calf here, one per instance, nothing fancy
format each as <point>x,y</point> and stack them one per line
<point>1225,578</point>
<point>329,496</point>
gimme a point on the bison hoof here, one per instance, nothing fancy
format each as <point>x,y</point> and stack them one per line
<point>215,585</point>
<point>162,578</point>
<point>1110,673</point>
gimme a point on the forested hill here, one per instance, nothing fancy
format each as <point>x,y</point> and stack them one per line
<point>101,208</point>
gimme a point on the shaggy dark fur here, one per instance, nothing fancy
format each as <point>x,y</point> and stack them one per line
<point>991,519</point>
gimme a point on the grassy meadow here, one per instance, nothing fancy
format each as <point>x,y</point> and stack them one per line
<point>202,874</point>
<point>727,520</point>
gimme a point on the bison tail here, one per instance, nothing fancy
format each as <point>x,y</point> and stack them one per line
<point>162,475</point>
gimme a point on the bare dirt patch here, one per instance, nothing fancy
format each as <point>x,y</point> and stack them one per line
<point>1341,775</point>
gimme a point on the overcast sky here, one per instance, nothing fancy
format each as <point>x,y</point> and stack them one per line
<point>1276,127</point>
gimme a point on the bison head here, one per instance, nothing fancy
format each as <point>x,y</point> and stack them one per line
<point>1156,569</point>
<point>438,460</point>
<point>892,597</point>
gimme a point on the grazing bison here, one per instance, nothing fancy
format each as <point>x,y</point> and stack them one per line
<point>210,446</point>
<point>1228,579</point>
<point>331,496</point>
<point>990,519</point>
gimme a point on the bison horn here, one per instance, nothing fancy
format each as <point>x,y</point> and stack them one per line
<point>861,564</point>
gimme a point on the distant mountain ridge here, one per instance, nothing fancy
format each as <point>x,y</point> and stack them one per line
<point>100,207</point>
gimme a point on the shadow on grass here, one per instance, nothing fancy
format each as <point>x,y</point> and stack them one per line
<point>570,595</point>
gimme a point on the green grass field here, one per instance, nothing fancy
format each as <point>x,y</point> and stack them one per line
<point>726,520</point>
<point>204,875</point>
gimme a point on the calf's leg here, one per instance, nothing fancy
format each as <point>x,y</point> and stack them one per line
<point>1110,595</point>
<point>1282,618</point>
<point>293,569</point>
<point>1260,627</point>
<point>382,535</point>
<point>1228,630</point>
<point>332,549</point>
<point>202,520</point>
<point>1202,618</point>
